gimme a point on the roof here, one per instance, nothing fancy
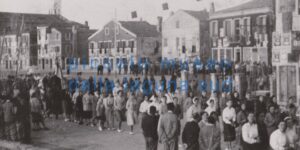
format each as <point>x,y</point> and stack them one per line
<point>200,15</point>
<point>253,4</point>
<point>140,28</point>
<point>31,21</point>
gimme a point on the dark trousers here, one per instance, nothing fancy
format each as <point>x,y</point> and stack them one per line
<point>193,146</point>
<point>247,146</point>
<point>151,143</point>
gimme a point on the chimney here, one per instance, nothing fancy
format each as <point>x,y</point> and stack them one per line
<point>86,23</point>
<point>141,19</point>
<point>159,23</point>
<point>212,8</point>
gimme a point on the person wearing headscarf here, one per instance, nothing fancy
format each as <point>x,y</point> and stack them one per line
<point>195,108</point>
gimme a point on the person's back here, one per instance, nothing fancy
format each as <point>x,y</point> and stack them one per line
<point>168,127</point>
<point>190,133</point>
<point>149,126</point>
<point>8,111</point>
<point>35,105</point>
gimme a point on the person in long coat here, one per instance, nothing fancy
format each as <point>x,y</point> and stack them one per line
<point>149,127</point>
<point>168,129</point>
<point>190,134</point>
<point>132,109</point>
<point>210,136</point>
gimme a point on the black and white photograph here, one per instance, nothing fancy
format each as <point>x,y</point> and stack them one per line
<point>150,74</point>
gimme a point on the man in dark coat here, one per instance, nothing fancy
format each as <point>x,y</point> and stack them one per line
<point>149,126</point>
<point>190,134</point>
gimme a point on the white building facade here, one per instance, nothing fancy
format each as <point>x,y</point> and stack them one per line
<point>183,34</point>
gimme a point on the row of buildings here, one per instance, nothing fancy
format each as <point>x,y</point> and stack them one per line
<point>40,41</point>
<point>240,33</point>
<point>263,31</point>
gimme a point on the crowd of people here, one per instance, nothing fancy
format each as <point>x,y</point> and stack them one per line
<point>194,119</point>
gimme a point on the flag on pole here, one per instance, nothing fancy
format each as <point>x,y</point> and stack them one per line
<point>165,6</point>
<point>134,14</point>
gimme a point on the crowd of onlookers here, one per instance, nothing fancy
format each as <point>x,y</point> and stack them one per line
<point>193,118</point>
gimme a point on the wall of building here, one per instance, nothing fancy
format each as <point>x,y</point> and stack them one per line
<point>188,29</point>
<point>96,56</point>
<point>253,34</point>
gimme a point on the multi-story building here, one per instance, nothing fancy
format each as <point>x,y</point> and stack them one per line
<point>243,32</point>
<point>59,44</point>
<point>286,52</point>
<point>185,34</point>
<point>124,40</point>
<point>41,31</point>
<point>17,52</point>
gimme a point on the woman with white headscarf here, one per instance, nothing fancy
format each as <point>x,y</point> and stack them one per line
<point>195,108</point>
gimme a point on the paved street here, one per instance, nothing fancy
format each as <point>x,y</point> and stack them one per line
<point>66,135</point>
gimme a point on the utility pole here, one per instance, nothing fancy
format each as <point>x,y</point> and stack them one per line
<point>19,44</point>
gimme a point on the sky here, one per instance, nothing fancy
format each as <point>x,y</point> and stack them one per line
<point>99,12</point>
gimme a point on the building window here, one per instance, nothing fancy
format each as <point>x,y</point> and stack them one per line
<point>124,46</point>
<point>106,30</point>
<point>67,48</point>
<point>91,45</point>
<point>177,24</point>
<point>194,49</point>
<point>194,45</point>
<point>9,51</point>
<point>57,36</point>
<point>227,28</point>
<point>118,46</point>
<point>39,34</point>
<point>131,45</point>
<point>57,49</point>
<point>46,48</point>
<point>100,45</point>
<point>214,28</point>
<point>237,30</point>
<point>50,63</point>
<point>261,23</point>
<point>177,42</point>
<point>68,36</point>
<point>246,29</point>
<point>47,61</point>
<point>165,42</point>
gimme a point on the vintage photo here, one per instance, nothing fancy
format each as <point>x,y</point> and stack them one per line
<point>150,74</point>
